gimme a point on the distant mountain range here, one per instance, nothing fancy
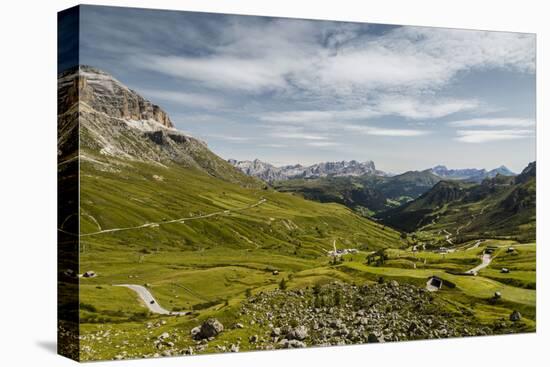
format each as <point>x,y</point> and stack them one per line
<point>470,174</point>
<point>359,185</point>
<point>496,207</point>
<point>271,173</point>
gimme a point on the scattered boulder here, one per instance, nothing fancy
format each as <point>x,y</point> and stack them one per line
<point>515,316</point>
<point>290,344</point>
<point>209,329</point>
<point>234,348</point>
<point>195,332</point>
<point>373,338</point>
<point>297,333</point>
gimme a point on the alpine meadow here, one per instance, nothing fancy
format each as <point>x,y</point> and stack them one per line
<point>235,183</point>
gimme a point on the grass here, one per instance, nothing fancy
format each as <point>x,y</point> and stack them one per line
<point>516,288</point>
<point>208,265</point>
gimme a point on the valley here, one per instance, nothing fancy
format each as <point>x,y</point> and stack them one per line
<point>232,262</point>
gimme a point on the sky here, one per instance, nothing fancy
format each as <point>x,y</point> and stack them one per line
<point>290,91</point>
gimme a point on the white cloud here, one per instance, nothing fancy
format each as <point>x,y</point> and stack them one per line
<point>228,138</point>
<point>197,100</point>
<point>273,145</point>
<point>348,64</point>
<point>485,136</point>
<point>322,144</point>
<point>394,105</point>
<point>427,57</point>
<point>232,73</point>
<point>297,135</point>
<point>494,122</point>
<point>299,117</point>
<point>377,131</point>
<point>425,108</point>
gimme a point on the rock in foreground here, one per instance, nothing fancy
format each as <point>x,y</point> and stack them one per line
<point>209,329</point>
<point>338,314</point>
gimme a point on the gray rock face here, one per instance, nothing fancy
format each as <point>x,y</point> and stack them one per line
<point>270,173</point>
<point>105,94</point>
<point>116,122</point>
<point>470,174</point>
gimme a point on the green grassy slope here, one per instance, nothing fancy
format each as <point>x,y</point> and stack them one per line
<point>517,288</point>
<point>501,207</point>
<point>208,264</point>
<point>237,248</point>
<point>367,194</point>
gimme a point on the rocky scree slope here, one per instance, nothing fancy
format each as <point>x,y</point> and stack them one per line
<point>339,313</point>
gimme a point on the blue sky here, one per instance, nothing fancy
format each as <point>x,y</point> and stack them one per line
<point>298,91</point>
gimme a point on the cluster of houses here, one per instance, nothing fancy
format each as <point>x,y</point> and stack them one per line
<point>340,252</point>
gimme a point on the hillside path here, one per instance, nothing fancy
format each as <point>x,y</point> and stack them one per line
<point>485,261</point>
<point>149,300</point>
<point>155,224</point>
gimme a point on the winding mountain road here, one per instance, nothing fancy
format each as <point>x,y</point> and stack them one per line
<point>181,220</point>
<point>448,237</point>
<point>485,261</point>
<point>150,301</point>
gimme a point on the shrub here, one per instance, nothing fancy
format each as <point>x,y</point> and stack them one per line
<point>317,288</point>
<point>337,298</point>
<point>87,307</point>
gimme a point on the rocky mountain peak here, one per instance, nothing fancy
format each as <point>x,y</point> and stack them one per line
<point>115,124</point>
<point>528,172</point>
<point>469,174</point>
<point>269,172</point>
<point>103,93</point>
